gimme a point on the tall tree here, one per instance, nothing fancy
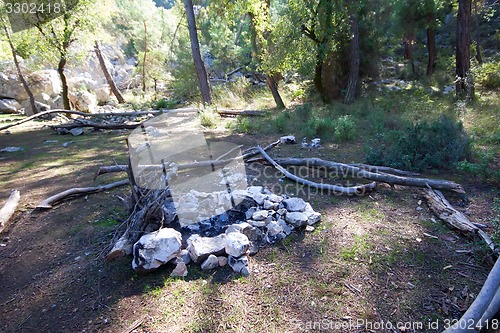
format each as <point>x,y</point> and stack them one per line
<point>430,10</point>
<point>463,83</point>
<point>18,68</point>
<point>352,84</point>
<point>62,32</point>
<point>201,72</point>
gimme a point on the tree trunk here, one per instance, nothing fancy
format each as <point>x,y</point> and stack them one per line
<point>65,89</point>
<point>463,45</point>
<point>431,44</point>
<point>144,58</point>
<point>352,84</point>
<point>240,29</point>
<point>201,72</point>
<point>108,76</point>
<point>273,86</point>
<point>9,208</point>
<point>19,72</point>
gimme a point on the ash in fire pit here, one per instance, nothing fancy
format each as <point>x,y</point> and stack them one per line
<point>259,218</point>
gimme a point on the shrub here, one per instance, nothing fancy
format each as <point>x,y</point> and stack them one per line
<point>436,144</point>
<point>488,75</point>
<point>246,125</point>
<point>345,128</point>
<point>482,166</point>
<point>209,118</point>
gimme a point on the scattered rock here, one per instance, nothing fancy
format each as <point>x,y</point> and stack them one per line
<point>297,219</point>
<point>237,244</point>
<point>202,247</point>
<point>11,149</point>
<point>155,249</point>
<point>312,216</point>
<point>210,263</point>
<point>180,269</point>
<point>222,261</point>
<point>260,215</point>
<point>67,143</point>
<point>239,265</point>
<point>294,205</point>
<point>289,139</point>
<point>76,131</point>
<point>9,105</point>
<point>310,228</point>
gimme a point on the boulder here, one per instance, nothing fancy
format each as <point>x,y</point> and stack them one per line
<point>312,216</point>
<point>260,215</point>
<point>210,263</point>
<point>297,219</point>
<point>180,269</point>
<point>83,101</point>
<point>237,244</point>
<point>239,265</point>
<point>155,249</point>
<point>28,110</point>
<point>294,204</point>
<point>201,247</point>
<point>9,105</point>
<point>102,94</point>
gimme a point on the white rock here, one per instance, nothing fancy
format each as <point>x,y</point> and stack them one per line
<point>289,139</point>
<point>83,101</point>
<point>287,230</point>
<point>260,215</point>
<point>102,94</point>
<point>184,256</point>
<point>210,263</point>
<point>155,249</point>
<point>259,198</point>
<point>297,219</point>
<point>202,247</point>
<point>9,105</point>
<point>239,265</point>
<point>270,205</point>
<point>294,204</point>
<point>312,216</point>
<point>254,189</point>
<point>11,149</point>
<point>237,244</point>
<point>257,224</point>
<point>274,228</point>
<point>310,228</point>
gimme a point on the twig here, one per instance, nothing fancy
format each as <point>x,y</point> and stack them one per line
<point>134,325</point>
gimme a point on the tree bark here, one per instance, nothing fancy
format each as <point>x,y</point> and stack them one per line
<point>9,208</point>
<point>65,89</point>
<point>108,76</point>
<point>463,46</point>
<point>201,72</point>
<point>19,71</point>
<point>431,44</point>
<point>240,29</point>
<point>352,84</point>
<point>273,86</point>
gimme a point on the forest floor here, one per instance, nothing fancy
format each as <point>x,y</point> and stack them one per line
<point>368,263</point>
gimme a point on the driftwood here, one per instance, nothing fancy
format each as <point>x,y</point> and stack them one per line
<point>484,307</point>
<point>78,191</point>
<point>379,169</point>
<point>354,190</point>
<point>353,171</point>
<point>9,208</point>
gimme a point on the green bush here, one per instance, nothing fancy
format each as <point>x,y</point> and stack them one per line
<point>482,166</point>
<point>209,118</point>
<point>345,128</point>
<point>437,144</point>
<point>488,75</point>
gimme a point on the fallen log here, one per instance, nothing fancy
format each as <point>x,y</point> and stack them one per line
<point>346,170</point>
<point>354,190</point>
<point>9,208</point>
<point>107,126</point>
<point>110,169</point>
<point>78,191</point>
<point>379,169</point>
<point>41,114</point>
<point>477,313</point>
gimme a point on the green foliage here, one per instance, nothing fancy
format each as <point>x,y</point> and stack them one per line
<point>209,118</point>
<point>164,104</point>
<point>488,75</point>
<point>483,166</point>
<point>496,220</point>
<point>345,128</point>
<point>245,125</point>
<point>427,144</point>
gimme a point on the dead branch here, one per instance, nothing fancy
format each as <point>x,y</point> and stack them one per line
<point>41,114</point>
<point>355,172</point>
<point>355,190</point>
<point>9,208</point>
<point>246,113</point>
<point>480,308</point>
<point>110,169</point>
<point>78,191</point>
<point>380,169</point>
<point>87,123</point>
<point>443,209</point>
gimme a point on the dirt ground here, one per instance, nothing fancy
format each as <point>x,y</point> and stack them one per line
<point>370,262</point>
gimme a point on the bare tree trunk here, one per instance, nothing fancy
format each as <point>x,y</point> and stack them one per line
<point>108,76</point>
<point>431,44</point>
<point>352,84</point>
<point>64,81</point>
<point>463,45</point>
<point>144,58</point>
<point>240,29</point>
<point>273,86</point>
<point>19,72</point>
<point>201,72</point>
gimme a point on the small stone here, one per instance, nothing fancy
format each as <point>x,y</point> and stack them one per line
<point>76,131</point>
<point>236,244</point>
<point>257,224</point>
<point>297,219</point>
<point>179,270</point>
<point>281,211</point>
<point>239,265</point>
<point>270,205</point>
<point>254,234</point>
<point>67,143</point>
<point>294,205</point>
<point>201,247</point>
<point>184,256</point>
<point>155,249</point>
<point>11,149</point>
<point>274,228</point>
<point>210,263</point>
<point>419,209</point>
<point>249,212</point>
<point>289,139</point>
<point>287,230</point>
<point>260,215</point>
<point>312,216</point>
<point>259,198</point>
<point>222,261</point>
<point>254,189</point>
<point>275,198</point>
<point>310,228</point>
<point>253,249</point>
